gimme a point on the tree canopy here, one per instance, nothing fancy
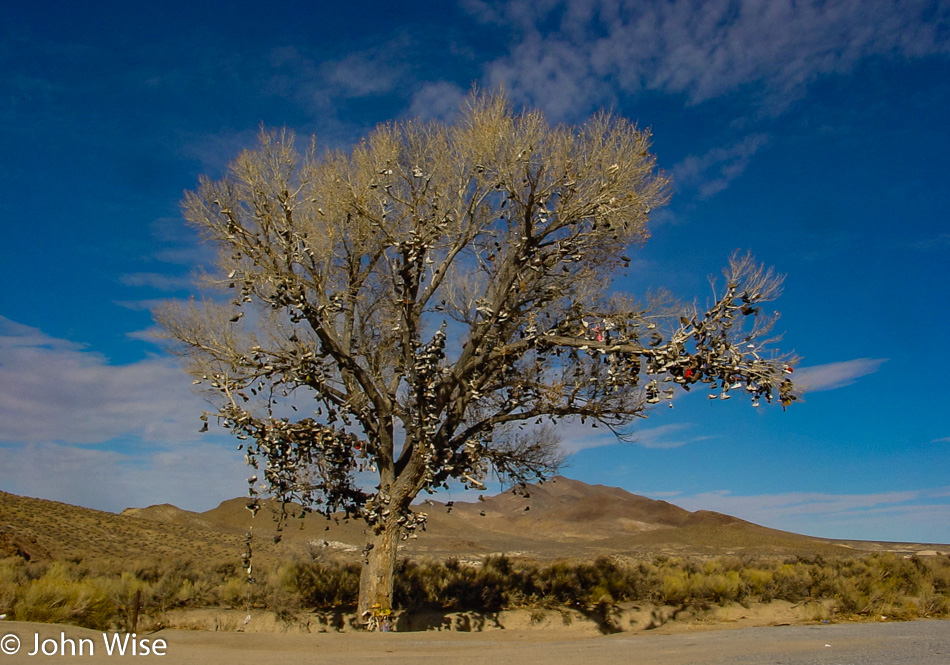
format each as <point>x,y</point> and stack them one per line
<point>439,295</point>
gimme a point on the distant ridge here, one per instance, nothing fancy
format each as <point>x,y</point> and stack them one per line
<point>574,501</point>
<point>561,518</point>
<point>168,514</point>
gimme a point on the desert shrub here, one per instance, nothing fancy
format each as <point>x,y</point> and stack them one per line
<point>170,582</point>
<point>454,585</point>
<point>272,590</point>
<point>760,583</point>
<point>185,594</point>
<point>322,585</point>
<point>508,584</point>
<point>234,593</point>
<point>173,583</point>
<point>124,592</point>
<point>60,596</point>
<point>11,576</point>
<point>850,596</point>
<point>34,570</point>
<point>939,570</point>
<point>676,587</point>
<point>563,583</point>
<point>720,587</point>
<point>933,596</point>
<point>433,584</point>
<point>792,582</point>
<point>724,564</point>
<point>882,583</point>
<point>931,603</point>
<point>463,587</point>
<point>576,583</point>
<point>877,584</point>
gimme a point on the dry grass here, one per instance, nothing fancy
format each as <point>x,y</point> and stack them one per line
<point>870,586</point>
<point>74,565</point>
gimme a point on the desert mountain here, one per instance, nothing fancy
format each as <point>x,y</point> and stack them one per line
<point>568,518</point>
<point>556,519</point>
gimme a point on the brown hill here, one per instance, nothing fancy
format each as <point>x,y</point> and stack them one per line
<point>568,518</point>
<point>557,519</point>
<point>169,514</point>
<point>38,529</point>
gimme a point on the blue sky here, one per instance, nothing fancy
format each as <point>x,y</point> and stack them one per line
<point>813,134</point>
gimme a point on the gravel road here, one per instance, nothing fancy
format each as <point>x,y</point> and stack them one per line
<point>910,643</point>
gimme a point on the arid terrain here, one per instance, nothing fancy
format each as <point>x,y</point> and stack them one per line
<point>561,518</point>
<point>563,558</point>
<point>910,643</point>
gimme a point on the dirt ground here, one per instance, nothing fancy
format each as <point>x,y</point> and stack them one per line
<point>920,642</point>
<point>627,618</point>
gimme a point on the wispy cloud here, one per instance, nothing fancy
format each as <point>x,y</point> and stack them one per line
<point>110,480</point>
<point>551,74</point>
<point>147,304</point>
<point>835,375</point>
<point>157,281</point>
<point>440,100</point>
<point>577,437</point>
<point>712,172</point>
<point>938,241</point>
<point>76,428</point>
<point>564,52</point>
<point>214,151</point>
<point>666,437</point>
<point>363,74</point>
<point>58,390</point>
<point>335,91</point>
<point>924,513</point>
<point>799,503</point>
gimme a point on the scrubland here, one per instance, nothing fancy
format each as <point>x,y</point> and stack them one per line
<point>104,595</point>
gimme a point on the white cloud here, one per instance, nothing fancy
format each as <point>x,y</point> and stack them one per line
<point>440,100</point>
<point>148,304</point>
<point>215,151</point>
<point>552,75</point>
<point>57,390</point>
<point>363,74</point>
<point>798,503</point>
<point>712,172</point>
<point>911,515</point>
<point>665,437</point>
<point>193,477</point>
<point>158,281</point>
<point>835,375</point>
<point>323,87</point>
<point>577,437</point>
<point>565,52</point>
<point>78,429</point>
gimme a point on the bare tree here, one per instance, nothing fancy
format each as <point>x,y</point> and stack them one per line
<point>438,294</point>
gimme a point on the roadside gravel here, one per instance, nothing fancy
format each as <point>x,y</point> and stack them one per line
<point>910,643</point>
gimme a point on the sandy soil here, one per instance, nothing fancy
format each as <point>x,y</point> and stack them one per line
<point>627,618</point>
<point>920,642</point>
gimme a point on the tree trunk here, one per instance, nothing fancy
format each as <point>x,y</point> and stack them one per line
<point>376,580</point>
